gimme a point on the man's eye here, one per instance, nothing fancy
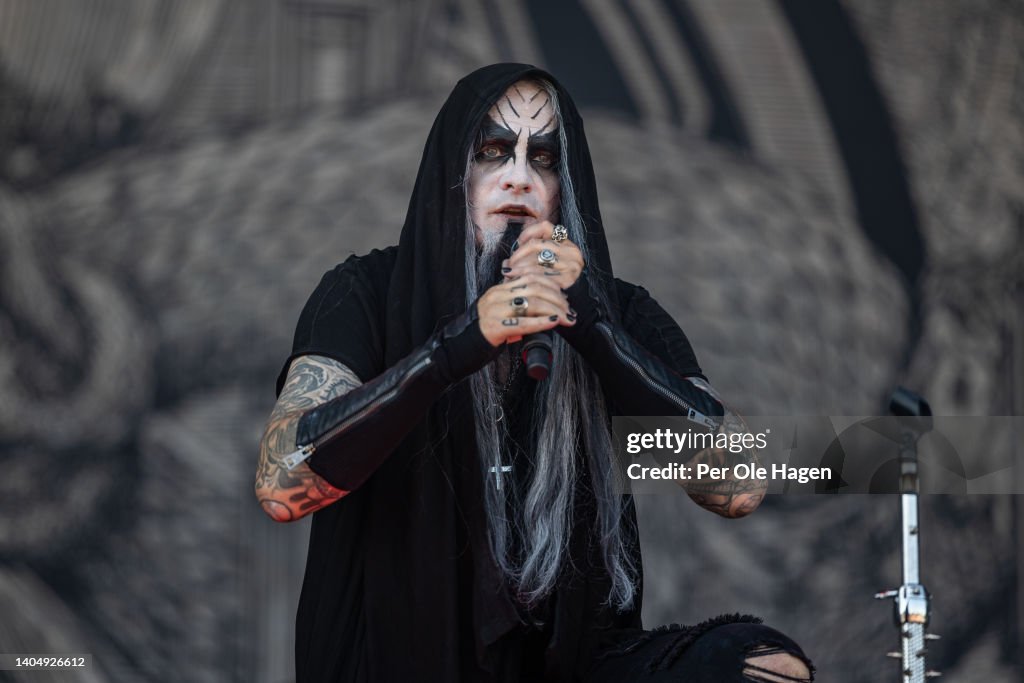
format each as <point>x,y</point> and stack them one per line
<point>491,152</point>
<point>544,159</point>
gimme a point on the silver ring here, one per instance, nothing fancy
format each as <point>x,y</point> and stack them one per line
<point>547,258</point>
<point>559,233</point>
<point>519,306</point>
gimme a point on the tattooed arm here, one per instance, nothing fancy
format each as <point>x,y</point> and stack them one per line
<point>344,430</point>
<point>728,496</point>
<point>287,495</point>
<point>658,381</point>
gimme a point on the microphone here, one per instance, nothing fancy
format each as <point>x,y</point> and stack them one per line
<point>536,353</point>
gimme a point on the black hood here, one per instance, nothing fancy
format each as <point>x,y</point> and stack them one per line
<point>428,284</point>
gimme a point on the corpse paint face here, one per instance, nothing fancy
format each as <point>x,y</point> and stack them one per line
<point>515,171</point>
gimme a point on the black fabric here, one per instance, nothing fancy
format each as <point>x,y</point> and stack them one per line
<point>352,434</point>
<point>715,651</point>
<point>344,316</point>
<point>656,330</point>
<point>399,584</point>
<point>627,368</point>
<point>327,612</point>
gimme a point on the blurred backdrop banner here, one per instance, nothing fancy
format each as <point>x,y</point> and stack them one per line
<point>828,196</point>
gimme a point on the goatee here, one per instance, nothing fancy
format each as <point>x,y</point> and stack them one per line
<point>496,248</point>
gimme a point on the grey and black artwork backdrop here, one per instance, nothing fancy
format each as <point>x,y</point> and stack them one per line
<point>829,197</point>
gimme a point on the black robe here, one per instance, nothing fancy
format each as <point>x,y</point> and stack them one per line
<point>399,583</point>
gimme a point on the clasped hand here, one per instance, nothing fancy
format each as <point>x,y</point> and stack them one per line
<point>530,297</point>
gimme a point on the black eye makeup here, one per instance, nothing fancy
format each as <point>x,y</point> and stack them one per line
<point>543,154</point>
<point>498,143</point>
<point>495,142</point>
<point>493,151</point>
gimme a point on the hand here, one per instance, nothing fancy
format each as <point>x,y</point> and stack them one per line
<point>532,241</point>
<point>546,307</point>
<point>725,494</point>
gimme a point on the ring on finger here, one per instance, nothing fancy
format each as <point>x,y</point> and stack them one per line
<point>519,306</point>
<point>547,258</point>
<point>559,233</point>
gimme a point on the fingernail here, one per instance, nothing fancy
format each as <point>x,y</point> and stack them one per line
<point>506,270</point>
<point>515,245</point>
<point>553,318</point>
<point>572,313</point>
<point>571,317</point>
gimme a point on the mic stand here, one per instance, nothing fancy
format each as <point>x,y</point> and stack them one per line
<point>911,600</point>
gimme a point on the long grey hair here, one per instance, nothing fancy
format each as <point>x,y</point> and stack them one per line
<point>570,432</point>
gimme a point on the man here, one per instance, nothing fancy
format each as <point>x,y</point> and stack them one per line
<point>466,526</point>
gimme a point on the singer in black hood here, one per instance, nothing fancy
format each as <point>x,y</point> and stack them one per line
<point>466,526</point>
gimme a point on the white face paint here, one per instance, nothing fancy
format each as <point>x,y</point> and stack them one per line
<point>514,174</point>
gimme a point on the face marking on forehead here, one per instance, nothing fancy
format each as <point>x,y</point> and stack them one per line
<point>537,113</point>
<point>504,111</point>
<point>540,133</point>
<point>520,111</point>
<point>508,125</point>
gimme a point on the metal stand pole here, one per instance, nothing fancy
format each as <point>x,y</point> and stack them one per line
<point>911,598</point>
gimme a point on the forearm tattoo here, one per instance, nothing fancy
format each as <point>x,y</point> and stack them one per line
<point>284,494</point>
<point>728,496</point>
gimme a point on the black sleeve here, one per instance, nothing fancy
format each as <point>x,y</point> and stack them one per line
<point>345,439</point>
<point>655,330</point>
<point>643,367</point>
<point>341,319</point>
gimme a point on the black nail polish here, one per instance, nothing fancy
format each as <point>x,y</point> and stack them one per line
<point>506,270</point>
<point>572,313</point>
<point>515,245</point>
<point>571,317</point>
<point>553,318</point>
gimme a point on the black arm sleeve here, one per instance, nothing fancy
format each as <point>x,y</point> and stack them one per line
<point>647,378</point>
<point>347,438</point>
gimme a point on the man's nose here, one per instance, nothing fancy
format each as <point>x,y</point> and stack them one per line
<point>517,176</point>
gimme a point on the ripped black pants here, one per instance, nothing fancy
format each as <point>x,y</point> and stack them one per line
<point>723,650</point>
